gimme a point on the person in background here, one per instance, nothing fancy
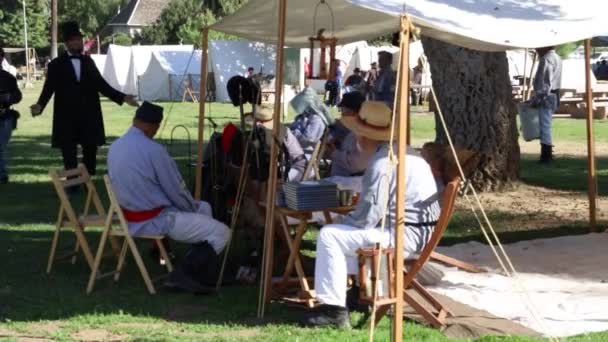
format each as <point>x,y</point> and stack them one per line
<point>355,82</point>
<point>348,158</point>
<point>384,88</point>
<point>150,191</point>
<point>372,76</point>
<point>547,84</point>
<point>250,72</point>
<point>9,95</point>
<point>312,118</point>
<point>77,119</point>
<point>416,80</point>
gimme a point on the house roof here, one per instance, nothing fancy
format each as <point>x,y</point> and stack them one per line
<point>139,13</point>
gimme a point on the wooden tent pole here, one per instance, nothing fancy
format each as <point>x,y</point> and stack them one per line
<point>590,142</point>
<point>403,109</point>
<point>524,86</point>
<point>201,116</point>
<point>266,275</point>
<point>529,94</point>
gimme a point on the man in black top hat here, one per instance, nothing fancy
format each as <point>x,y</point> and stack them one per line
<point>77,118</point>
<point>9,95</point>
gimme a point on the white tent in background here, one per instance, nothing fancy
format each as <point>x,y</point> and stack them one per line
<point>230,58</point>
<point>141,56</point>
<point>164,78</point>
<point>117,66</point>
<point>100,62</point>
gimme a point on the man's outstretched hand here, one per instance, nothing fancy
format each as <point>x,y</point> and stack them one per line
<point>36,109</point>
<point>130,100</point>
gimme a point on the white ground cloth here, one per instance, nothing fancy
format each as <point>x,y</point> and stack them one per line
<point>566,277</point>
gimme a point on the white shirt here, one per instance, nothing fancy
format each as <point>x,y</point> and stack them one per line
<point>76,65</point>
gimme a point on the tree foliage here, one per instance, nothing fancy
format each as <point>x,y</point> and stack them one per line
<point>181,22</point>
<point>11,23</point>
<point>92,15</point>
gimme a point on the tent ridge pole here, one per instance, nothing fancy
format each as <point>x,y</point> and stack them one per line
<point>201,115</point>
<point>592,190</point>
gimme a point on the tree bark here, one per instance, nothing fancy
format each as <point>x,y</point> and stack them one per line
<point>474,93</point>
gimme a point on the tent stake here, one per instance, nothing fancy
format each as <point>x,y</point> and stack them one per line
<point>403,109</point>
<point>590,142</point>
<point>201,116</point>
<point>266,274</point>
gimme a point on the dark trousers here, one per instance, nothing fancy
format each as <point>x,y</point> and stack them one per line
<point>89,157</point>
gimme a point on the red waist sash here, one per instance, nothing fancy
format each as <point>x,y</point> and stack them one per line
<point>141,216</point>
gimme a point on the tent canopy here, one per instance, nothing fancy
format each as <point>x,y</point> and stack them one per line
<point>167,72</point>
<point>476,24</point>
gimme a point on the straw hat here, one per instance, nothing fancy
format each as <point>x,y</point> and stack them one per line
<point>373,122</point>
<point>264,115</point>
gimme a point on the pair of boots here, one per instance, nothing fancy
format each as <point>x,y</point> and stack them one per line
<point>197,271</point>
<point>546,153</point>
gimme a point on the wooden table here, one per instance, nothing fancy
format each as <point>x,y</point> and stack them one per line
<point>281,287</point>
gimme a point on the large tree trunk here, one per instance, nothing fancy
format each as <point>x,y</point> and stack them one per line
<point>474,93</point>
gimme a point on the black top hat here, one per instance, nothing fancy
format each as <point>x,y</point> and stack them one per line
<point>71,30</point>
<point>150,113</point>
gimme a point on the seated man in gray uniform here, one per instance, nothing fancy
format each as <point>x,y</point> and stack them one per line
<point>151,193</point>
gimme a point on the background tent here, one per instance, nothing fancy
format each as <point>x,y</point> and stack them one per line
<point>167,71</point>
<point>117,66</point>
<point>100,62</point>
<point>141,56</point>
<point>230,58</point>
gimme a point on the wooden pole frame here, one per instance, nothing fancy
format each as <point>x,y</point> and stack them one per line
<point>402,112</point>
<point>524,84</point>
<point>201,115</point>
<point>266,275</point>
<point>592,190</point>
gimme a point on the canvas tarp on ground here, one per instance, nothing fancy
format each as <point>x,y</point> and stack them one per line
<point>167,71</point>
<point>476,24</point>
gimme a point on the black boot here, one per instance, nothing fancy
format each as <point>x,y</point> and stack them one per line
<point>546,153</point>
<point>327,316</point>
<point>201,264</point>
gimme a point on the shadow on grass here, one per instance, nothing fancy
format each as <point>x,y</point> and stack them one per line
<point>564,173</point>
<point>27,293</point>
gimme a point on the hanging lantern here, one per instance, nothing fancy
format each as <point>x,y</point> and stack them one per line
<point>372,260</point>
<point>326,45</point>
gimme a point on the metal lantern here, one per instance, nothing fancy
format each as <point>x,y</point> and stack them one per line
<point>372,260</point>
<point>325,45</point>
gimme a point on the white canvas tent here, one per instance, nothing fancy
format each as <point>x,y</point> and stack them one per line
<point>141,56</point>
<point>475,24</point>
<point>100,62</point>
<point>167,71</point>
<point>230,58</point>
<point>124,64</point>
<point>117,66</point>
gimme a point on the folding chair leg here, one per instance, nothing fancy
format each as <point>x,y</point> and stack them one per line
<point>76,250</point>
<point>429,298</point>
<point>49,265</point>
<point>380,313</point>
<point>426,314</point>
<point>141,266</point>
<point>164,255</point>
<point>121,259</point>
<point>82,241</point>
<point>98,257</point>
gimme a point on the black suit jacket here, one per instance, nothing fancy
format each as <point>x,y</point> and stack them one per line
<point>77,117</point>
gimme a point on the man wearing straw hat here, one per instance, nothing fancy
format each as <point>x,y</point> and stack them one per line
<point>337,244</point>
<point>295,155</point>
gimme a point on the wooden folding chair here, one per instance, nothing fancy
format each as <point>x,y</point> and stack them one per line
<point>120,229</point>
<point>67,217</point>
<point>315,158</point>
<point>437,315</point>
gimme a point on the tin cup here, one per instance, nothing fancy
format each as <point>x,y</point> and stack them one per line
<point>346,197</point>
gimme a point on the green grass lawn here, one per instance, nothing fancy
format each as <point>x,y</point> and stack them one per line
<point>36,305</point>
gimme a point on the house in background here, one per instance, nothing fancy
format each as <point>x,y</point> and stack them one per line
<point>136,15</point>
